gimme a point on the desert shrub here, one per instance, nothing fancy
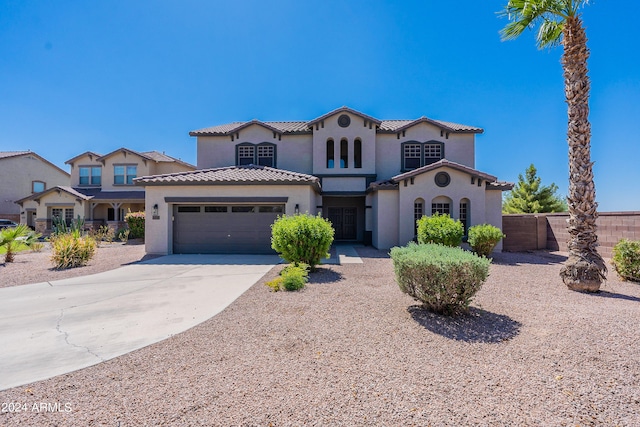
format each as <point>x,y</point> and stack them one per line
<point>484,238</point>
<point>71,250</point>
<point>626,259</point>
<point>440,229</point>
<point>59,226</point>
<point>36,246</point>
<point>444,279</point>
<point>291,278</point>
<point>11,240</point>
<point>275,284</point>
<point>135,221</point>
<point>123,234</point>
<point>302,238</point>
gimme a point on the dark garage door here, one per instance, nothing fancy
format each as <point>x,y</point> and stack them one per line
<point>228,229</point>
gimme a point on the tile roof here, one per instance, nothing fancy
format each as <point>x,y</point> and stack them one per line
<point>341,110</point>
<point>445,163</point>
<point>249,174</point>
<point>70,190</point>
<point>290,127</point>
<point>5,154</point>
<point>226,129</point>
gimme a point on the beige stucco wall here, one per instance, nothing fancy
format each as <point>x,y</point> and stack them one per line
<point>458,148</point>
<point>384,217</point>
<point>161,168</point>
<point>159,232</point>
<point>355,130</point>
<point>424,187</point>
<point>16,177</point>
<point>344,184</point>
<point>293,152</point>
<point>55,199</point>
<point>493,212</point>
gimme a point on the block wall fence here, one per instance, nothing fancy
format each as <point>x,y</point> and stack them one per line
<point>527,232</point>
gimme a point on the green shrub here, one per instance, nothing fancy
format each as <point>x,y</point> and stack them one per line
<point>440,229</point>
<point>123,235</point>
<point>302,238</point>
<point>444,279</point>
<point>135,221</point>
<point>71,250</point>
<point>484,238</point>
<point>11,240</point>
<point>291,278</point>
<point>626,259</point>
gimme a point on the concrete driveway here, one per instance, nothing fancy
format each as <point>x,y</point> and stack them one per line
<point>52,328</point>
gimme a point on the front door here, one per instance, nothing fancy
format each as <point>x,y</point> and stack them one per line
<point>344,223</point>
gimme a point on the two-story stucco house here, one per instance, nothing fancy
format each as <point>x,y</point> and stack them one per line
<point>371,178</point>
<point>101,190</point>
<point>23,173</point>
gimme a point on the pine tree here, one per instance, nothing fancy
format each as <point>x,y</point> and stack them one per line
<point>530,196</point>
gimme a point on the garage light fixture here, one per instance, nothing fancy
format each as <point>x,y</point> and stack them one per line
<point>155,210</point>
<point>297,208</point>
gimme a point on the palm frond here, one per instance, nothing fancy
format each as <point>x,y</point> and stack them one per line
<point>550,33</point>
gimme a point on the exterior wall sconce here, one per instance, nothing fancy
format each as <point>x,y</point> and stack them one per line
<point>155,212</point>
<point>297,208</point>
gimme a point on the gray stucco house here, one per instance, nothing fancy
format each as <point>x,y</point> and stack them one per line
<point>371,178</point>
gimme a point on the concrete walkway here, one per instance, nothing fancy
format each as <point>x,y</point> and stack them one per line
<point>52,328</point>
<point>343,253</point>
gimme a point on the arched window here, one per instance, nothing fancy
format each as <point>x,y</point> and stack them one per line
<point>464,214</point>
<point>357,153</point>
<point>418,212</point>
<point>330,161</point>
<point>442,205</point>
<point>344,153</point>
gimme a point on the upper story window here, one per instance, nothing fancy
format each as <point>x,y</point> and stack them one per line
<point>357,153</point>
<point>263,154</point>
<point>246,154</point>
<point>124,174</point>
<point>412,156</point>
<point>432,153</point>
<point>344,153</point>
<point>416,154</point>
<point>90,175</point>
<point>330,158</point>
<point>267,155</point>
<point>38,186</point>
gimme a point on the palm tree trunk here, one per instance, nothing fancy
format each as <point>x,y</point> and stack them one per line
<point>585,269</point>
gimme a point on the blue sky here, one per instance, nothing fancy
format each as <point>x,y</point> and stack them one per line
<point>85,75</point>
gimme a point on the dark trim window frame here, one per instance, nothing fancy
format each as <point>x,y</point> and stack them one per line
<point>123,174</point>
<point>90,176</point>
<point>357,153</point>
<point>415,154</point>
<point>330,154</point>
<point>441,208</point>
<point>262,154</point>
<point>38,186</point>
<point>344,153</point>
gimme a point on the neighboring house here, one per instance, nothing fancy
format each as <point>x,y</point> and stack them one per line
<point>102,189</point>
<point>371,178</point>
<point>23,173</point>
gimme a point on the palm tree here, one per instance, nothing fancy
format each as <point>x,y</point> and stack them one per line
<point>10,238</point>
<point>559,23</point>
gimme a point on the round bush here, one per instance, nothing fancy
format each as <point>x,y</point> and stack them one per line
<point>302,238</point>
<point>440,229</point>
<point>444,279</point>
<point>484,238</point>
<point>626,259</point>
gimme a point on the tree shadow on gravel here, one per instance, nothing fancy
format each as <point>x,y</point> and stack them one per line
<point>535,257</point>
<point>325,275</point>
<point>614,295</point>
<point>475,326</point>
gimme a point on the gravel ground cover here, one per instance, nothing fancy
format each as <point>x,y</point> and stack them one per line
<point>35,267</point>
<point>352,350</point>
